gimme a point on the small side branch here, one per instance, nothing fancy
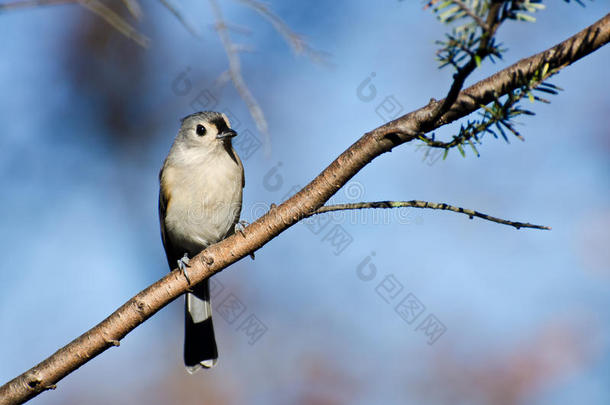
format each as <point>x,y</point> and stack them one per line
<point>95,6</point>
<point>484,49</point>
<point>236,76</point>
<point>115,20</point>
<point>15,5</point>
<point>425,204</point>
<point>298,44</point>
<point>480,22</point>
<point>176,13</point>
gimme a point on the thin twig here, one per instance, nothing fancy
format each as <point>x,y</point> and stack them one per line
<point>115,20</point>
<point>425,204</point>
<point>14,5</point>
<point>492,24</point>
<point>134,8</point>
<point>298,44</point>
<point>480,22</point>
<point>180,17</point>
<point>236,76</point>
<point>96,7</point>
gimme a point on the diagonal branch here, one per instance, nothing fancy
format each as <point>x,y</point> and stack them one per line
<point>423,204</point>
<point>217,257</point>
<point>517,75</point>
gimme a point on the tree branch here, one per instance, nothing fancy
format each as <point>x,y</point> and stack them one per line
<point>298,44</point>
<point>95,6</point>
<point>423,204</point>
<point>519,74</point>
<point>14,5</point>
<point>118,22</point>
<point>489,30</point>
<point>237,78</point>
<point>180,18</point>
<point>217,257</point>
<point>480,22</point>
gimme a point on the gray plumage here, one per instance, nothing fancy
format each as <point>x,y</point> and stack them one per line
<point>199,204</point>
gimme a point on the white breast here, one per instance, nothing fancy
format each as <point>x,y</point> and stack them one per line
<point>205,201</point>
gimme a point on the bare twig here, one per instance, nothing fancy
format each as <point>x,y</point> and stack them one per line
<point>298,44</point>
<point>115,20</point>
<point>134,8</point>
<point>236,76</point>
<point>217,257</point>
<point>15,5</point>
<point>424,204</point>
<point>170,7</point>
<point>96,7</point>
<point>480,22</point>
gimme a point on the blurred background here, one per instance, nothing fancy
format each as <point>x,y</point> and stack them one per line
<point>497,315</point>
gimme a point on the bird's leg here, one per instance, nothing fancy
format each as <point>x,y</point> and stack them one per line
<point>240,227</point>
<point>183,263</point>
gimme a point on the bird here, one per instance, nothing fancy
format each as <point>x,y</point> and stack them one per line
<point>200,198</point>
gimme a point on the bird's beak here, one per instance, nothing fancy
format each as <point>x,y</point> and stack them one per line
<point>229,133</point>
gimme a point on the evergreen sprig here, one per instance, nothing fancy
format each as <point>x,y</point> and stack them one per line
<point>499,116</point>
<point>472,39</point>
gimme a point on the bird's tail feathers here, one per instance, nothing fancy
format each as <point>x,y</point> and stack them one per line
<point>200,349</point>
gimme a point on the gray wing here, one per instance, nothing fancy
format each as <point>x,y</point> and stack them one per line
<point>173,254</point>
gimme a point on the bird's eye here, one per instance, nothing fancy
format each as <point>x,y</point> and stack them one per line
<point>200,130</point>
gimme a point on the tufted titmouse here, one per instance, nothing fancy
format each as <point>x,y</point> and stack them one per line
<point>199,204</point>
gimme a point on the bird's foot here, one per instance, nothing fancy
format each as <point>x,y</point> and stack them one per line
<point>241,226</point>
<point>183,263</point>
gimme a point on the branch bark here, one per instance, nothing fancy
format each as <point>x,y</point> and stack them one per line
<point>217,257</point>
<point>424,204</point>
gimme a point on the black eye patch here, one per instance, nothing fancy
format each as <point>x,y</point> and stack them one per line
<point>220,124</point>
